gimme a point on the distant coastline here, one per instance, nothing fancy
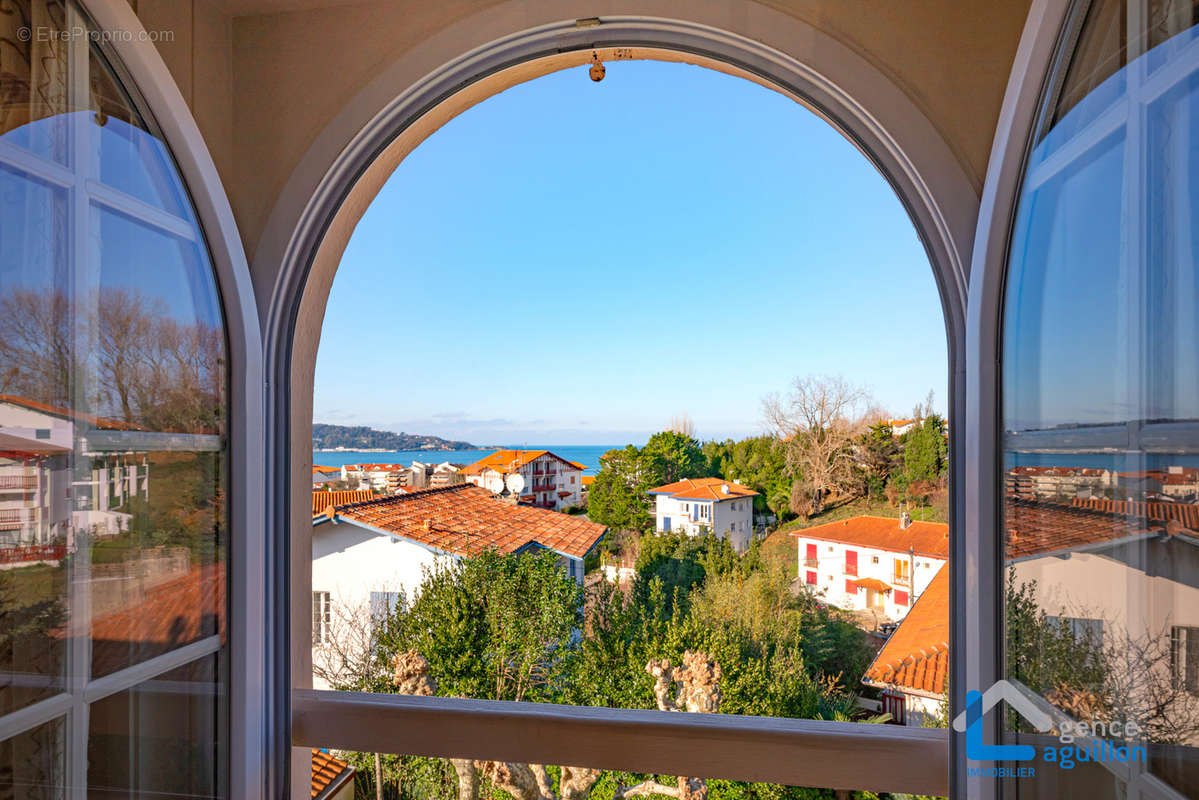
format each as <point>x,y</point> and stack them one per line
<point>327,438</point>
<point>587,455</point>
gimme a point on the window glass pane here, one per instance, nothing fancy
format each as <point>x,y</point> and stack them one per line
<point>33,60</point>
<point>160,738</point>
<point>32,764</point>
<point>127,158</point>
<point>35,485</point>
<point>112,419</point>
<point>1101,416</point>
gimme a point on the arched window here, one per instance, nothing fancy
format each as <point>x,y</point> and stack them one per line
<point>113,412</point>
<point>1100,407</point>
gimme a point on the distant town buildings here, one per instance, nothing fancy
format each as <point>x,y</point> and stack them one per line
<point>1063,484</point>
<point>875,564</point>
<point>695,505</point>
<point>547,480</point>
<point>391,478</point>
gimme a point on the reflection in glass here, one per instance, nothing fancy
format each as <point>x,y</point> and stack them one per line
<point>112,419</point>
<point>160,738</point>
<point>1101,413</point>
<point>32,764</point>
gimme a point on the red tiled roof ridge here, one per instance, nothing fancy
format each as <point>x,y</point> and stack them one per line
<point>883,533</point>
<point>70,413</point>
<point>466,519</point>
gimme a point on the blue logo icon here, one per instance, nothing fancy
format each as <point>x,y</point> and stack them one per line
<point>979,703</point>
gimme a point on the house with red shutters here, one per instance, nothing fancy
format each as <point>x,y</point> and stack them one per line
<point>876,564</point>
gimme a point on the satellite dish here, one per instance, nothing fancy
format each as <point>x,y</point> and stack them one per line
<point>494,484</point>
<point>516,483</point>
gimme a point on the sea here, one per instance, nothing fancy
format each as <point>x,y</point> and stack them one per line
<point>586,454</point>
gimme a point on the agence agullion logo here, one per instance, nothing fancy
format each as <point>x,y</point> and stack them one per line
<point>1091,749</point>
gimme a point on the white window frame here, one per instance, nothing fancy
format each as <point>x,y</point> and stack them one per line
<point>255,692</point>
<point>85,194</point>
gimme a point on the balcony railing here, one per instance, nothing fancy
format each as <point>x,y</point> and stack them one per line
<point>17,482</point>
<point>798,752</point>
<point>851,569</point>
<point>811,562</point>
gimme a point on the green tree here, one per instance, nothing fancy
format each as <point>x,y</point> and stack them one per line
<point>877,459</point>
<point>496,627</point>
<point>760,463</point>
<point>673,456</point>
<point>926,451</point>
<point>619,495</point>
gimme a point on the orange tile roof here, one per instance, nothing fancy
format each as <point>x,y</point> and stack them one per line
<point>173,613</point>
<point>505,461</point>
<point>704,489</point>
<point>322,468</point>
<point>917,654</point>
<point>1034,528</point>
<point>1185,513</point>
<point>587,480</point>
<point>465,519</point>
<point>872,583</point>
<point>884,533</point>
<point>328,774</point>
<point>322,500</point>
<point>103,423</point>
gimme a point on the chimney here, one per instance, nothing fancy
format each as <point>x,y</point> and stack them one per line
<point>905,521</point>
<point>724,487</point>
<point>427,525</point>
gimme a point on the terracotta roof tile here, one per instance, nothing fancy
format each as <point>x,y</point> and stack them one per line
<point>1185,513</point>
<point>872,583</point>
<point>103,423</point>
<point>917,654</point>
<point>1032,527</point>
<point>465,519</point>
<point>704,489</point>
<point>174,613</point>
<point>323,500</point>
<point>328,773</point>
<point>884,533</point>
<point>505,461</point>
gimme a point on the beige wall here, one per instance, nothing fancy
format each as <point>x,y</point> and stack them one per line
<point>276,72</point>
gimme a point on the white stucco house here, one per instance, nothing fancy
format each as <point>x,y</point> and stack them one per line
<point>550,481</point>
<point>878,564</point>
<point>696,505</point>
<point>912,667</point>
<point>49,489</point>
<point>368,554</point>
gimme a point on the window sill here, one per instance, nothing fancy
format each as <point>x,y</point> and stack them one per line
<point>798,752</point>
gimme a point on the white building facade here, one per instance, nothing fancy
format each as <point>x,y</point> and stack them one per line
<point>698,505</point>
<point>549,480</point>
<point>871,563</point>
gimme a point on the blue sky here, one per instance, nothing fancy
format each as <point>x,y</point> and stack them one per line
<point>575,263</point>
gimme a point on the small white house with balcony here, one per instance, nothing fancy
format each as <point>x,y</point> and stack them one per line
<point>876,564</point>
<point>696,505</point>
<point>547,480</point>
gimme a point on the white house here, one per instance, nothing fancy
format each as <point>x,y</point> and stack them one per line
<point>695,505</point>
<point>367,554</point>
<point>48,489</point>
<point>912,667</point>
<point>550,481</point>
<point>878,564</point>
